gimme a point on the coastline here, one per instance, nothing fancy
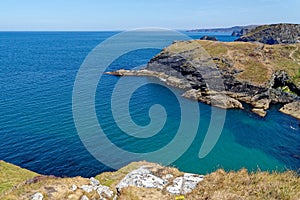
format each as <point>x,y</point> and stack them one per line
<point>192,66</point>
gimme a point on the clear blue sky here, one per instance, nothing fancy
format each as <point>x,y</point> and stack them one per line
<point>128,14</point>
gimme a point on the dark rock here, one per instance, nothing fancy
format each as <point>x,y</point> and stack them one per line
<point>39,178</point>
<point>273,34</point>
<point>212,38</point>
<point>244,31</point>
<point>281,79</point>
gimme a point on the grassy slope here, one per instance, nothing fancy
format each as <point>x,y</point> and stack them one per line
<point>245,185</point>
<point>257,61</point>
<point>217,185</point>
<point>11,175</point>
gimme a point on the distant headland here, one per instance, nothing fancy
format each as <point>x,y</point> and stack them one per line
<point>253,69</point>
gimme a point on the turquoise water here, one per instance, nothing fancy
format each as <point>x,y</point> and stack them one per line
<point>37,130</point>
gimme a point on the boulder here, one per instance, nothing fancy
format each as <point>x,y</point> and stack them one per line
<point>259,111</point>
<point>206,37</point>
<point>221,101</point>
<point>292,109</point>
<point>141,178</point>
<point>184,184</point>
<point>37,196</point>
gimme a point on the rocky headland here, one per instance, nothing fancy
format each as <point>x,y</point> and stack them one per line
<point>272,34</point>
<point>144,180</point>
<point>224,30</point>
<point>230,74</point>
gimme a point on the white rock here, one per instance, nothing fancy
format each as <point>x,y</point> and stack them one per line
<point>104,190</point>
<point>94,182</point>
<point>37,196</point>
<point>74,188</point>
<point>185,184</point>
<point>176,187</point>
<point>142,178</point>
<point>84,198</point>
<point>168,176</point>
<point>87,188</point>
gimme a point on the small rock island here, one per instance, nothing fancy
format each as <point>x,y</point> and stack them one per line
<point>256,72</point>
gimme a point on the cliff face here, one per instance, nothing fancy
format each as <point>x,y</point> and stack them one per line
<point>250,73</point>
<point>273,34</point>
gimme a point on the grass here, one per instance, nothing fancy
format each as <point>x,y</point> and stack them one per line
<point>242,185</point>
<point>257,61</point>
<point>245,185</point>
<point>257,29</point>
<point>254,72</point>
<point>11,175</point>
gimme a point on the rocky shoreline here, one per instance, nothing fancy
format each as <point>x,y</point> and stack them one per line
<point>217,80</point>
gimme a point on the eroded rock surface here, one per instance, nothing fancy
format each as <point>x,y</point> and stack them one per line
<point>292,109</point>
<point>273,34</point>
<point>144,178</point>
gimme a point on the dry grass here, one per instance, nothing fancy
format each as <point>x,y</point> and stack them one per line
<point>244,185</point>
<point>218,185</point>
<point>52,188</point>
<point>257,61</point>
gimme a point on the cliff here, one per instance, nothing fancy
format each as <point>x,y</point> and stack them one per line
<point>227,75</point>
<point>273,34</point>
<point>143,180</point>
<point>224,30</point>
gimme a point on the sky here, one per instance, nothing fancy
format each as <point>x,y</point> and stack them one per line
<point>96,15</point>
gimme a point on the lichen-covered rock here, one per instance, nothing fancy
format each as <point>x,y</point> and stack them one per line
<point>94,182</point>
<point>104,191</point>
<point>184,184</point>
<point>87,188</point>
<point>37,196</point>
<point>142,178</point>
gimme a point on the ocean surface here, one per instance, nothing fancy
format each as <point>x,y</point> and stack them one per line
<point>37,129</point>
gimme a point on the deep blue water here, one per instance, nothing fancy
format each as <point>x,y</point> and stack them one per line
<point>37,130</point>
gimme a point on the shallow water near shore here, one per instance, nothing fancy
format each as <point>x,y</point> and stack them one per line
<point>37,131</point>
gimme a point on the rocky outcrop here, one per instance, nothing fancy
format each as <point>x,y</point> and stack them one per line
<point>225,80</point>
<point>214,98</point>
<point>144,180</point>
<point>292,109</point>
<point>143,177</point>
<point>243,31</point>
<point>206,37</point>
<point>273,34</point>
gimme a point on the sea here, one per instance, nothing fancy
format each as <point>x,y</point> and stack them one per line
<point>38,132</point>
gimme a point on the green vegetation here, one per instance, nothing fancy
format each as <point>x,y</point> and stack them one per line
<point>258,29</point>
<point>256,61</point>
<point>217,185</point>
<point>11,176</point>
